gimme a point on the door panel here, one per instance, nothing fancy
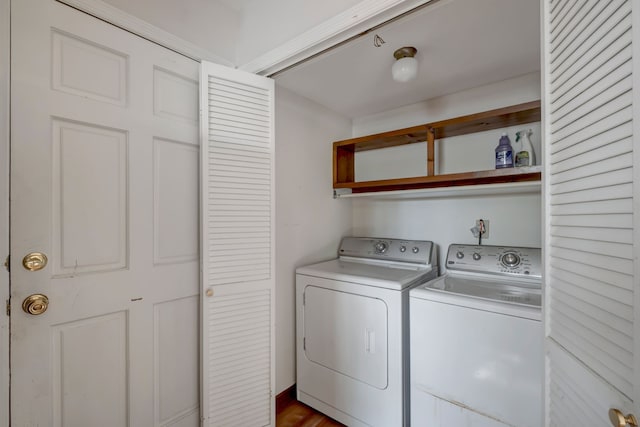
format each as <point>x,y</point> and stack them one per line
<point>590,202</point>
<point>78,367</point>
<point>175,222</point>
<point>104,182</point>
<point>89,233</point>
<point>174,322</point>
<point>238,259</point>
<point>175,96</point>
<point>102,75</point>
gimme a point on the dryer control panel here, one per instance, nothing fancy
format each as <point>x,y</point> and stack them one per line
<point>502,260</point>
<point>398,250</point>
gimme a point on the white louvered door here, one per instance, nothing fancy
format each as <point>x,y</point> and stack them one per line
<point>238,246</point>
<point>592,278</point>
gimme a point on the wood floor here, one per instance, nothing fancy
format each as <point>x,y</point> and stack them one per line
<point>291,413</point>
<point>297,414</point>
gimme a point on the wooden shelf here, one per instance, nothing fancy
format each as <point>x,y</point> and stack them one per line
<point>523,174</point>
<point>344,152</point>
<point>475,190</point>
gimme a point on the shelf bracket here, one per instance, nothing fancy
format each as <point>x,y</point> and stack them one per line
<point>337,192</point>
<point>431,137</point>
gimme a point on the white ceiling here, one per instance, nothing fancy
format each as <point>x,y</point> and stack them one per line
<point>237,5</point>
<point>461,44</point>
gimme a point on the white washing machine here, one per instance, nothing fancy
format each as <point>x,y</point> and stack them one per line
<point>352,329</point>
<point>476,340</point>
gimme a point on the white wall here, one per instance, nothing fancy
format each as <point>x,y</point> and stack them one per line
<point>507,92</point>
<point>309,222</point>
<point>514,220</point>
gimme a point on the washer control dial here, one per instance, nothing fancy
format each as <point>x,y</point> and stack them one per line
<point>403,248</point>
<point>459,254</point>
<point>476,256</point>
<point>415,250</point>
<point>510,259</point>
<point>380,247</point>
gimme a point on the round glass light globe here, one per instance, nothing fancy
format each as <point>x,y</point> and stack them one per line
<point>404,69</point>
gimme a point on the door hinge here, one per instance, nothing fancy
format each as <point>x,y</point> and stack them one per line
<point>304,343</point>
<point>7,263</point>
<point>8,307</point>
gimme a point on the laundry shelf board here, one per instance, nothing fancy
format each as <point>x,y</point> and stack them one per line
<point>509,188</point>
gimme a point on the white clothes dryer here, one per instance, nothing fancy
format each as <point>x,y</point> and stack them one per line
<point>476,340</point>
<point>352,329</point>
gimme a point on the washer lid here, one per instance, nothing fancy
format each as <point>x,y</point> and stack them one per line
<point>382,274</point>
<point>506,297</point>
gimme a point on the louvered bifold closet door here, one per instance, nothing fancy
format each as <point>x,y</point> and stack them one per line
<point>589,214</point>
<point>237,248</point>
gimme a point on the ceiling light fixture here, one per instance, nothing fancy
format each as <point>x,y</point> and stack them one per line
<point>406,66</point>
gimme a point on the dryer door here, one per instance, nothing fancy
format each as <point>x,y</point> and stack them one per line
<point>347,333</point>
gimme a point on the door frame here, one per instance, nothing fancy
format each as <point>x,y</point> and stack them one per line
<point>635,31</point>
<point>4,208</point>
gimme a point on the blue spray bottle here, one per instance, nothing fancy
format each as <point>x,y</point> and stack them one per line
<point>504,153</point>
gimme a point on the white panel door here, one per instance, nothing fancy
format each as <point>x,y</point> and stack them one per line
<point>104,181</point>
<point>238,248</point>
<point>592,199</point>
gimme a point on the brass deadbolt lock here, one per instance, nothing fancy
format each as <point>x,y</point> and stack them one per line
<point>35,304</point>
<point>34,261</point>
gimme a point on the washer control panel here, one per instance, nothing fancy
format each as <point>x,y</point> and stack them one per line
<point>505,260</point>
<point>411,251</point>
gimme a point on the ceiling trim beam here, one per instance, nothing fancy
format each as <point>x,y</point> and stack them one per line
<point>353,22</point>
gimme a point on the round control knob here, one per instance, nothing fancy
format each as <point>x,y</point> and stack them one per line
<point>476,256</point>
<point>510,259</point>
<point>403,248</point>
<point>459,255</point>
<point>380,247</point>
<point>415,250</point>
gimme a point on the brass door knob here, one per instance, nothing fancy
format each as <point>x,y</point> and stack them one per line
<point>35,304</point>
<point>618,419</point>
<point>34,261</point>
